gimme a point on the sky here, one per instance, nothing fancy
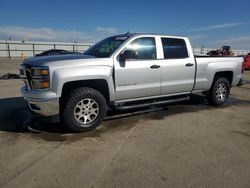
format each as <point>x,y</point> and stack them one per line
<point>209,23</point>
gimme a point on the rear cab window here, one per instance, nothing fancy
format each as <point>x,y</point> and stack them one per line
<point>174,48</point>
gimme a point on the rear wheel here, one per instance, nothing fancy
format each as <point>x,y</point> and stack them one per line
<point>84,110</point>
<point>219,92</point>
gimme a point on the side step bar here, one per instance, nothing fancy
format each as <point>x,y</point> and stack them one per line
<point>168,101</point>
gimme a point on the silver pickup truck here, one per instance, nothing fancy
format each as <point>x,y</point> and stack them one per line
<point>122,72</point>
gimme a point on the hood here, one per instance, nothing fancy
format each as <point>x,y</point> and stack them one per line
<point>48,60</point>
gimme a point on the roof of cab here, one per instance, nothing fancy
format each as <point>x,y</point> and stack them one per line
<point>128,34</point>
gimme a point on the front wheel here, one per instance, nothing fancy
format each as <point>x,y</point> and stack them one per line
<point>84,110</point>
<point>219,92</point>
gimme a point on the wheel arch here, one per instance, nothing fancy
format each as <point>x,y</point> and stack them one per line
<point>100,85</point>
<point>224,74</point>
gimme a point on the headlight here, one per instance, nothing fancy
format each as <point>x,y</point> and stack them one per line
<point>40,84</point>
<point>40,78</point>
<point>40,72</point>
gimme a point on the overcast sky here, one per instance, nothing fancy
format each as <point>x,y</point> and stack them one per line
<point>210,23</point>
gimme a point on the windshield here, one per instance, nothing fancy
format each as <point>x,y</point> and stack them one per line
<point>106,47</point>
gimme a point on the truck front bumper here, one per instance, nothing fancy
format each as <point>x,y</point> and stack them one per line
<point>44,103</point>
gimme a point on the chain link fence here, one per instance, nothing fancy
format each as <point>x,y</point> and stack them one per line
<point>17,49</point>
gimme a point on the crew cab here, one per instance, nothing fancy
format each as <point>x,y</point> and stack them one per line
<point>121,72</point>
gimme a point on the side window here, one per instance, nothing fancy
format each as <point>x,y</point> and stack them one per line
<point>174,48</point>
<point>144,48</point>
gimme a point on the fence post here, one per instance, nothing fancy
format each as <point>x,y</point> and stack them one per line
<point>33,46</point>
<point>8,48</point>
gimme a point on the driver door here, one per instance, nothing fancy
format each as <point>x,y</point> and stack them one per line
<point>138,76</point>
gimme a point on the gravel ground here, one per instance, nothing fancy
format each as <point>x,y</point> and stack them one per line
<point>185,145</point>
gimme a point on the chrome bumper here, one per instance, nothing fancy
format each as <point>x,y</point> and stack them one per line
<point>43,103</point>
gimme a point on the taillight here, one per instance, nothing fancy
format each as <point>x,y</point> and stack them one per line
<point>243,67</point>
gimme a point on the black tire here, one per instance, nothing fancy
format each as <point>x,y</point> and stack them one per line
<point>76,113</point>
<point>217,96</point>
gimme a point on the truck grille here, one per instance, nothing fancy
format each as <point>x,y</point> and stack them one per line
<point>25,75</point>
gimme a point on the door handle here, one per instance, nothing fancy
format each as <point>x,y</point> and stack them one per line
<point>155,66</point>
<point>189,64</point>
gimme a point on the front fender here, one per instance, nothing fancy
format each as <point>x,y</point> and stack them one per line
<point>64,75</point>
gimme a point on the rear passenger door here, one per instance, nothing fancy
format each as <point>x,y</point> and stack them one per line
<point>178,66</point>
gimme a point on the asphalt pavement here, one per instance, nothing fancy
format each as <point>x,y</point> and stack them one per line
<point>190,144</point>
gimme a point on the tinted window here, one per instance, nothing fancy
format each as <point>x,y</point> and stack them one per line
<point>144,48</point>
<point>174,48</point>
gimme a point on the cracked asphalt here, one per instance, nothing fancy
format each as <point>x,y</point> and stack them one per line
<point>189,144</point>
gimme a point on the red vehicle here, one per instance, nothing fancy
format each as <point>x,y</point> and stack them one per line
<point>247,62</point>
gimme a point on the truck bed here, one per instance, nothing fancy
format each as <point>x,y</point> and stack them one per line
<point>206,67</point>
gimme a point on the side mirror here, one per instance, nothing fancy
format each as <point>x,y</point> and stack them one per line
<point>127,54</point>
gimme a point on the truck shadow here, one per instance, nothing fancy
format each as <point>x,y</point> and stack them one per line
<point>14,114</point>
<point>16,117</point>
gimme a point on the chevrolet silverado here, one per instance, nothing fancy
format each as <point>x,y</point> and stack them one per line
<point>121,72</point>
